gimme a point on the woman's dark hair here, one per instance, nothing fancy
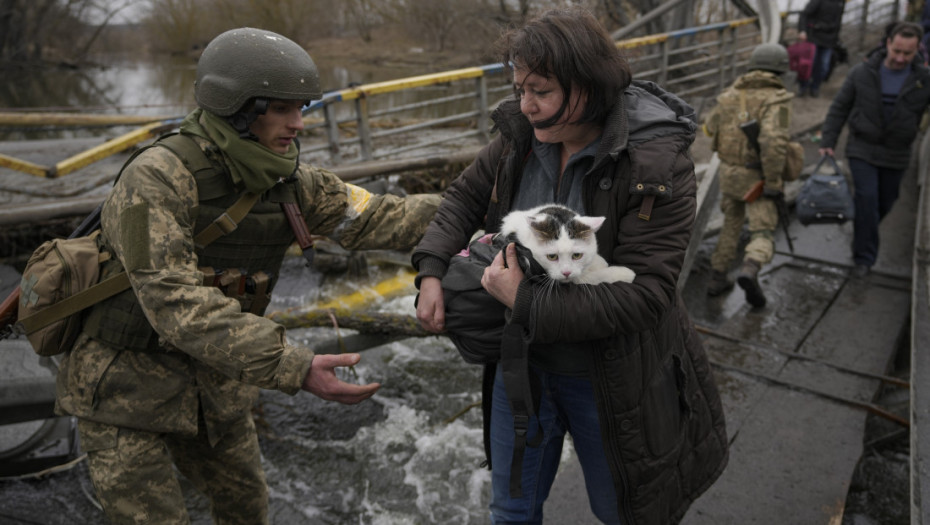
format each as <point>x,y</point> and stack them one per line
<point>571,46</point>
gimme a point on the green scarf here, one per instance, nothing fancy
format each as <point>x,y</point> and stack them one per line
<point>250,164</point>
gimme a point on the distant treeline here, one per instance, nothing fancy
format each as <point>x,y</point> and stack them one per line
<point>69,31</point>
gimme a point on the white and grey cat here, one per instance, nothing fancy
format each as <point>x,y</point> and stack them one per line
<point>563,243</point>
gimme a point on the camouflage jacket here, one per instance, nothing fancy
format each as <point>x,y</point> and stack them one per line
<point>211,356</point>
<point>765,99</point>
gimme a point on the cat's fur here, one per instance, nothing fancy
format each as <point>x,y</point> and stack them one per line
<point>563,243</point>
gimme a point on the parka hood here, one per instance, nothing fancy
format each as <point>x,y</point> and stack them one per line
<point>644,112</point>
<point>653,112</point>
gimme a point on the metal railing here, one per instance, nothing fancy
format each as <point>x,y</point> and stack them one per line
<point>385,120</point>
<point>699,60</point>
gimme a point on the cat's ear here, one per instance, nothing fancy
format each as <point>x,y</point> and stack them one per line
<point>532,220</point>
<point>594,223</point>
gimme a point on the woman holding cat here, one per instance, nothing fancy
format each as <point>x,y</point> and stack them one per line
<point>619,364</point>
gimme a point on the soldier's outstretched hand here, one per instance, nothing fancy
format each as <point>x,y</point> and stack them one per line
<point>323,383</point>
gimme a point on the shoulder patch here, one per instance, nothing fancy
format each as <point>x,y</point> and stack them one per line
<point>134,236</point>
<point>359,198</point>
<point>784,116</point>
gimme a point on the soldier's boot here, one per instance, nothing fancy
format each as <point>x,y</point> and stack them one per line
<point>719,283</point>
<point>748,280</point>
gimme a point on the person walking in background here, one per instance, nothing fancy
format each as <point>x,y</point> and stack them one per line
<point>759,96</point>
<point>611,359</point>
<point>925,25</point>
<point>882,101</point>
<point>821,21</point>
<point>801,61</point>
<point>165,374</point>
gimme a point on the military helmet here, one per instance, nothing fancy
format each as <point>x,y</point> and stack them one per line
<point>245,63</point>
<point>770,57</point>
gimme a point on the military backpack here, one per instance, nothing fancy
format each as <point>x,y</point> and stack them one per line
<point>61,277</point>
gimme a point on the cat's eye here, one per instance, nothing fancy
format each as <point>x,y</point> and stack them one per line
<point>552,256</point>
<point>576,256</point>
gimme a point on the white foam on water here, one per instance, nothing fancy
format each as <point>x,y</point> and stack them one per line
<point>447,474</point>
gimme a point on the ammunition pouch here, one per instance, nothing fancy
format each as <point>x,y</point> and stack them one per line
<point>121,323</point>
<point>252,291</point>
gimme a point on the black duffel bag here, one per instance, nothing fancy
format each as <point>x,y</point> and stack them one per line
<point>825,197</point>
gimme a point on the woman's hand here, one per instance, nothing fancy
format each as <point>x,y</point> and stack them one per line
<point>431,310</point>
<point>502,281</point>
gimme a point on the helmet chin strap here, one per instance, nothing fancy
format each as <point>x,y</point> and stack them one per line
<point>242,120</point>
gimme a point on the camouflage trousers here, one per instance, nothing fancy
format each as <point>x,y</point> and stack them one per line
<point>134,476</point>
<point>763,219</point>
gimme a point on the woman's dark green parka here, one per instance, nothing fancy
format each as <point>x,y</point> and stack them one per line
<point>658,404</point>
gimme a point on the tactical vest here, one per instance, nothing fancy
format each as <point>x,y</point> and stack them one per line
<point>255,248</point>
<point>730,142</point>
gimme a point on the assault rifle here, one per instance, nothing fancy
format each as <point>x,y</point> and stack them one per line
<point>10,306</point>
<point>751,129</point>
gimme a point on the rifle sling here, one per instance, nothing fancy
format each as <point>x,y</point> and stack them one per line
<point>225,223</point>
<point>296,220</point>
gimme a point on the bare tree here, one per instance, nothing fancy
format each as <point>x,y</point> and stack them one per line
<point>366,15</point>
<point>22,24</point>
<point>435,19</point>
<point>175,25</point>
<point>64,30</point>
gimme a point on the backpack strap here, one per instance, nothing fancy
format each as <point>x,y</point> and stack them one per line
<point>523,392</point>
<point>73,304</point>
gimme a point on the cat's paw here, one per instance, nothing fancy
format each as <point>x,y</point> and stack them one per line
<point>613,274</point>
<point>608,274</point>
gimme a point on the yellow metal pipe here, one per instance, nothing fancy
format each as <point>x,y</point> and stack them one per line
<point>108,148</point>
<point>74,119</point>
<point>641,41</point>
<point>411,82</point>
<point>386,288</point>
<point>23,166</point>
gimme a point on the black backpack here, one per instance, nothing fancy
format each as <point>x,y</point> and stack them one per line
<point>477,324</point>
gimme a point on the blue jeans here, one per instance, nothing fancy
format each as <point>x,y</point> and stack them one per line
<point>876,190</point>
<point>567,405</point>
<point>821,67</point>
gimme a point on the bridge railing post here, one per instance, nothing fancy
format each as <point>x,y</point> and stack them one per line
<point>483,109</point>
<point>364,131</point>
<point>332,133</point>
<point>721,61</point>
<point>663,62</point>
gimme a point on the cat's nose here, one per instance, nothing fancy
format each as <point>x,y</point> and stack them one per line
<point>567,273</point>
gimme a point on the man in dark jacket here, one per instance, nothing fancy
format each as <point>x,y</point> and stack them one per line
<point>882,100</point>
<point>821,20</point>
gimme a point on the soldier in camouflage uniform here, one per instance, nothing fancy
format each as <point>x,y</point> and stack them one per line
<point>757,95</point>
<point>166,373</point>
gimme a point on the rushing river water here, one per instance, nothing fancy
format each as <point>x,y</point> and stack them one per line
<point>402,457</point>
